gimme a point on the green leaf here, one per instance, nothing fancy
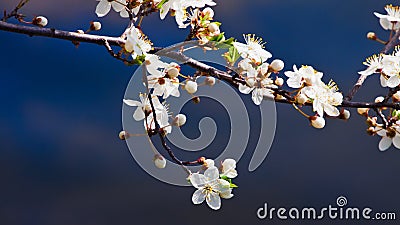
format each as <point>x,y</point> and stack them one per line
<point>218,38</point>
<point>161,3</point>
<point>233,185</point>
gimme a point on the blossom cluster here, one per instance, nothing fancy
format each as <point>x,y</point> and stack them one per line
<point>255,71</point>
<point>311,89</point>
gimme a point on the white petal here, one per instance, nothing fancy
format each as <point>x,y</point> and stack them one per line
<point>139,114</point>
<point>103,8</point>
<point>385,143</point>
<point>331,110</point>
<point>396,141</point>
<point>383,81</point>
<point>257,96</point>
<point>245,89</point>
<point>382,133</point>
<point>294,82</point>
<point>124,13</point>
<point>393,81</point>
<point>132,102</point>
<point>211,173</point>
<point>118,5</point>
<point>386,24</point>
<point>198,196</point>
<point>227,194</point>
<point>197,180</point>
<point>213,201</point>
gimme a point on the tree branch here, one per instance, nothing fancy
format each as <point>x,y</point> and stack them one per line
<point>179,56</point>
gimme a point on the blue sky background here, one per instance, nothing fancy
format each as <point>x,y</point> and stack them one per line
<point>61,161</point>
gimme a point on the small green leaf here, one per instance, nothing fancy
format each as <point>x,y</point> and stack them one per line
<point>161,3</point>
<point>233,185</point>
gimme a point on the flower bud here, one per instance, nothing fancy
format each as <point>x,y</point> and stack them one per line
<point>301,99</point>
<point>279,97</point>
<point>371,36</point>
<point>172,72</point>
<point>40,21</point>
<point>95,26</point>
<point>317,122</point>
<point>179,120</point>
<point>277,65</point>
<point>396,97</point>
<point>210,81</point>
<point>159,161</point>
<point>379,99</point>
<point>196,99</point>
<point>213,28</point>
<point>191,87</point>
<point>123,135</point>
<point>363,111</point>
<point>371,131</point>
<point>279,81</point>
<point>80,31</point>
<point>346,114</point>
<point>372,121</point>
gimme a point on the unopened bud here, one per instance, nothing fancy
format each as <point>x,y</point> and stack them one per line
<point>179,120</point>
<point>396,97</point>
<point>344,114</point>
<point>372,121</point>
<point>159,161</point>
<point>123,135</point>
<point>210,81</point>
<point>191,87</point>
<point>363,111</point>
<point>279,81</point>
<point>95,26</point>
<point>196,99</point>
<point>301,99</point>
<point>379,99</point>
<point>371,131</point>
<point>80,31</point>
<point>40,21</point>
<point>317,122</point>
<point>172,72</point>
<point>213,28</point>
<point>371,36</point>
<point>277,65</point>
<point>279,97</point>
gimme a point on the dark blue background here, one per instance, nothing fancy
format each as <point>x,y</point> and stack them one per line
<point>61,161</point>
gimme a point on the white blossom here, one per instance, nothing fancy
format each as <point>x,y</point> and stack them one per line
<point>253,49</point>
<point>209,188</point>
<point>374,64</point>
<point>324,98</point>
<point>136,42</point>
<point>390,76</point>
<point>391,20</point>
<point>256,81</point>
<point>389,136</point>
<point>143,107</point>
<point>306,75</point>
